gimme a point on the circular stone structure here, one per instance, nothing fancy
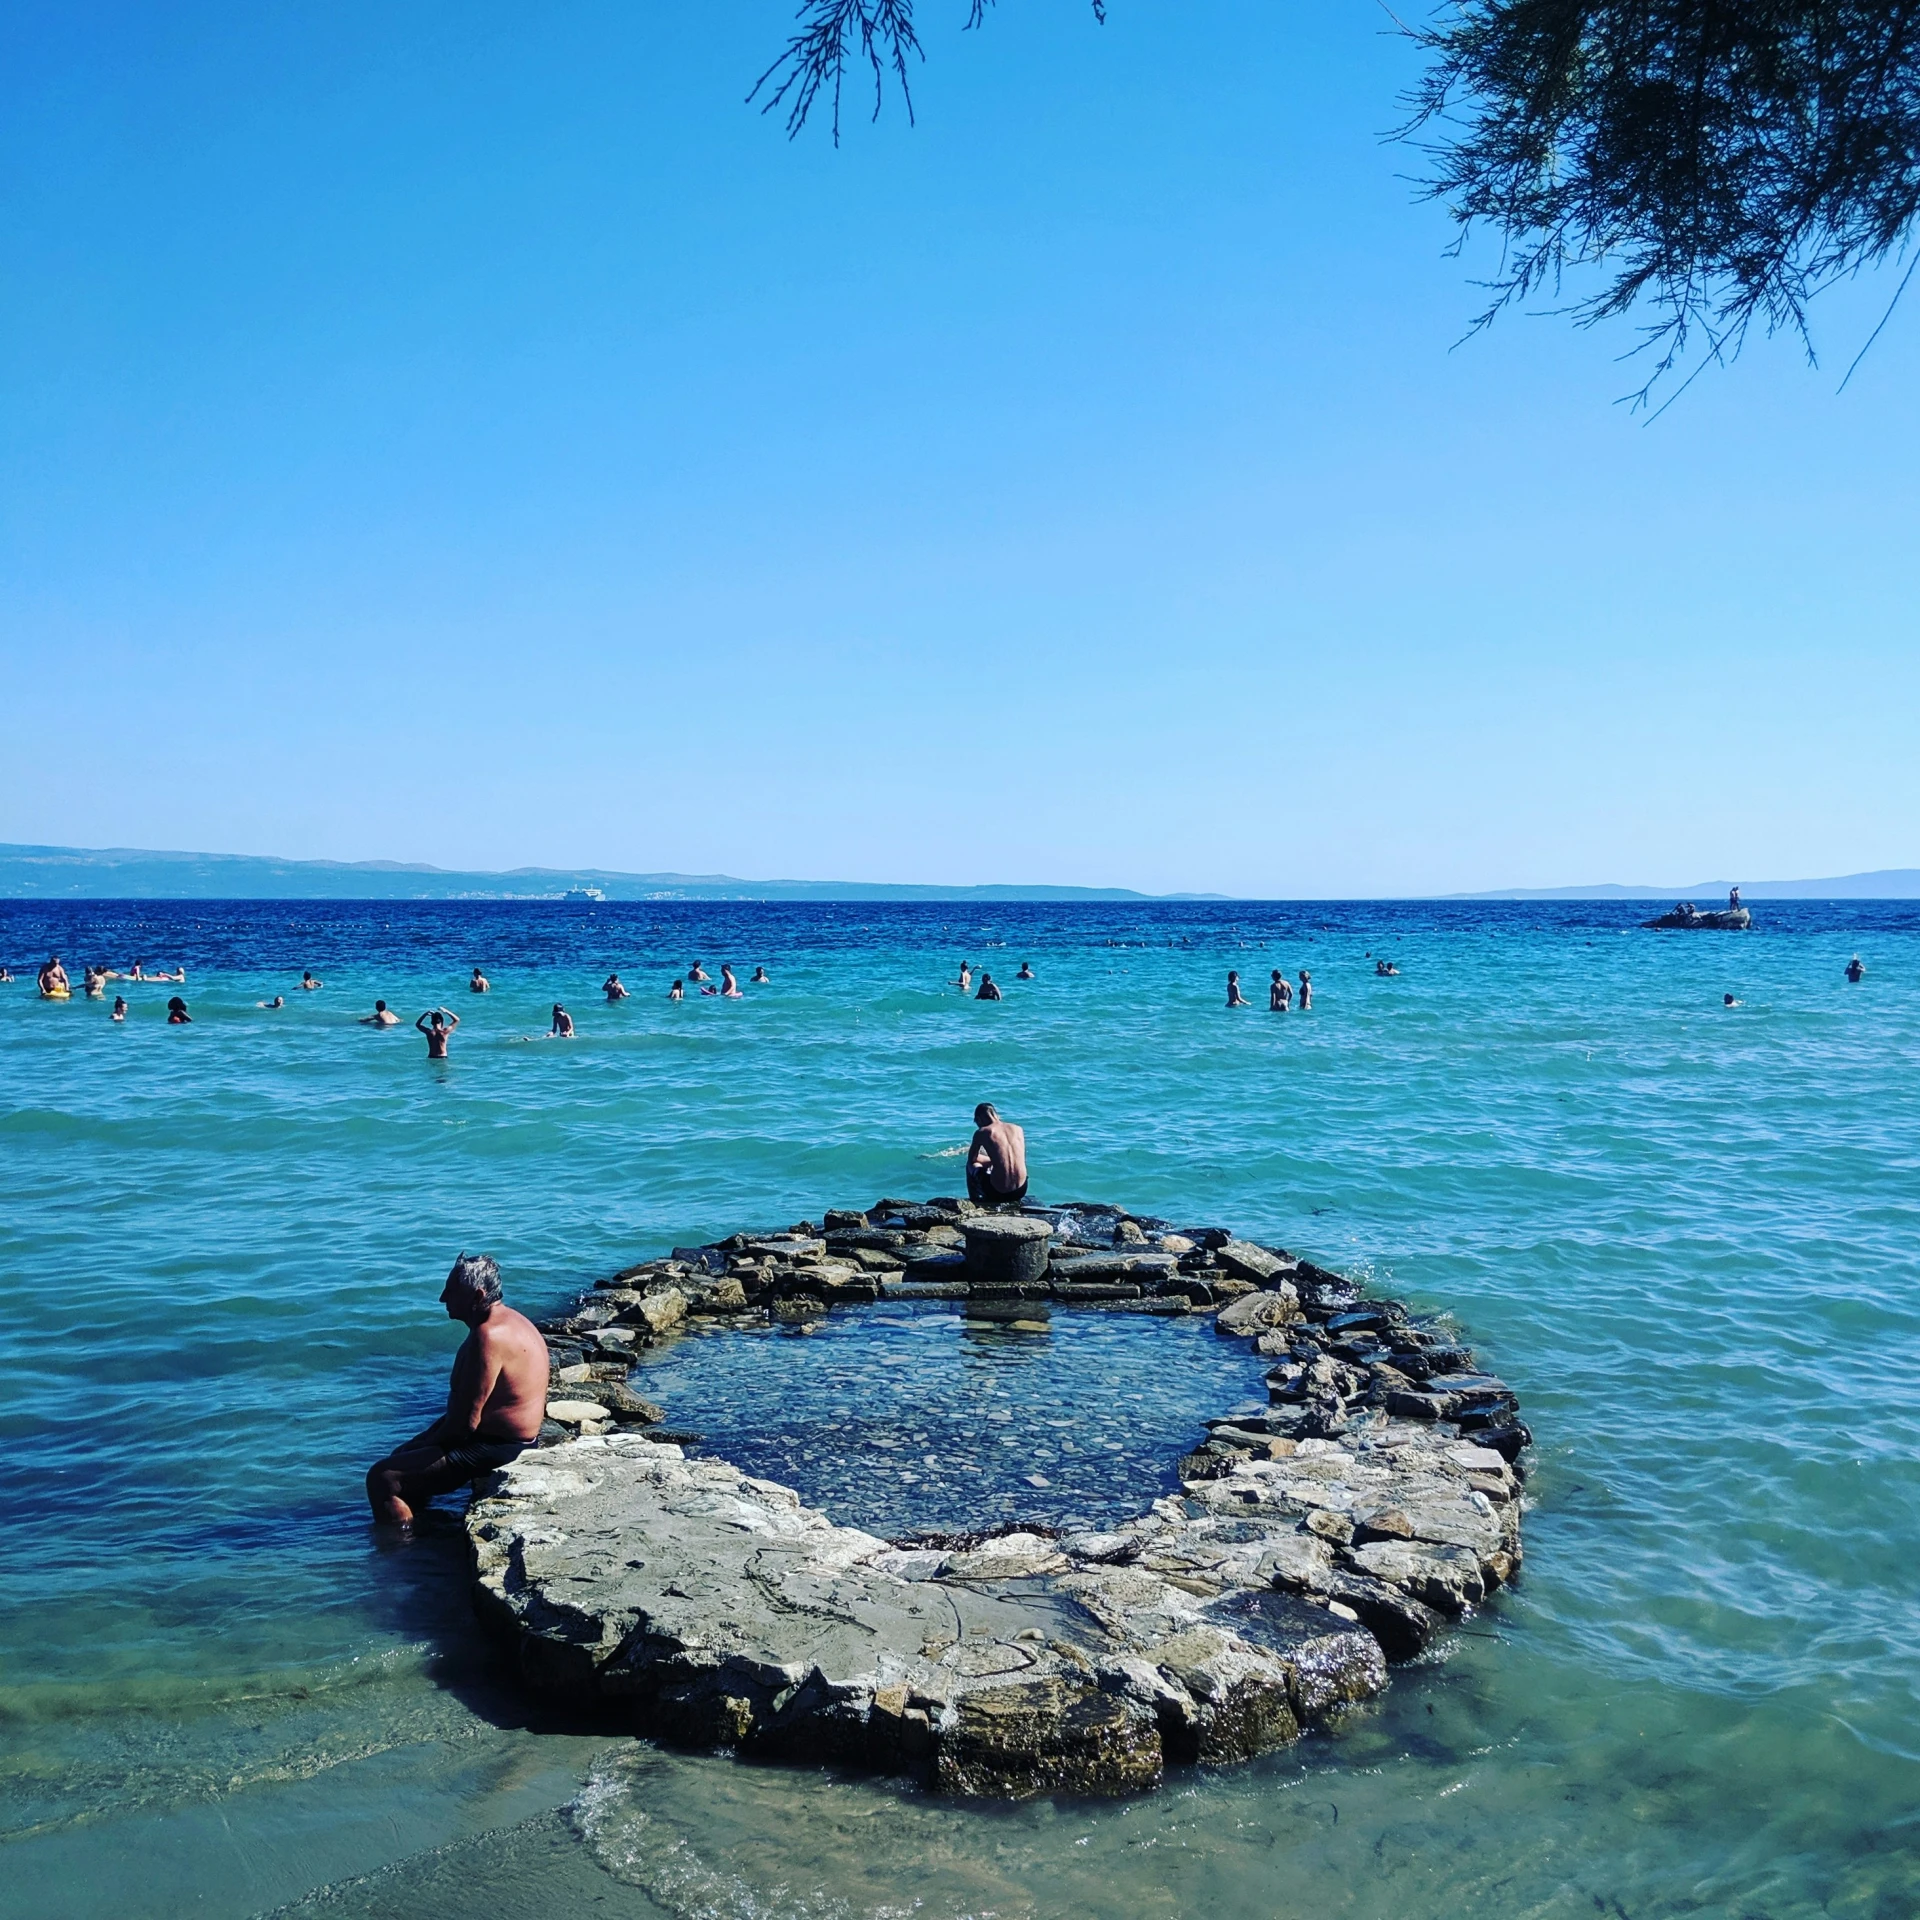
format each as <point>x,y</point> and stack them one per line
<point>1006,1250</point>
<point>1375,1498</point>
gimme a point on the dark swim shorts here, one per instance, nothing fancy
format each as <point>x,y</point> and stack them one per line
<point>483,1456</point>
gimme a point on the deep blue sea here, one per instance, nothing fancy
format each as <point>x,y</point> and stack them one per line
<point>1688,1234</point>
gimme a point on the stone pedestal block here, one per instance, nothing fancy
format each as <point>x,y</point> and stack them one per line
<point>1006,1250</point>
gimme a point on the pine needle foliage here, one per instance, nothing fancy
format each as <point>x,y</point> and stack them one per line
<point>1721,161</point>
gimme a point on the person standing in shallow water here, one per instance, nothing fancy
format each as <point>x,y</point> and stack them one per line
<point>996,1160</point>
<point>496,1400</point>
<point>678,991</point>
<point>729,986</point>
<point>1306,991</point>
<point>1235,998</point>
<point>988,991</point>
<point>1279,994</point>
<point>438,1026</point>
<point>479,983</point>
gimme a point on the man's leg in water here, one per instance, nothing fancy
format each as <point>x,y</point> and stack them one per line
<point>410,1476</point>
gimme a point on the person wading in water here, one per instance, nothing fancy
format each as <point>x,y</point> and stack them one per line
<point>496,1400</point>
<point>438,1026</point>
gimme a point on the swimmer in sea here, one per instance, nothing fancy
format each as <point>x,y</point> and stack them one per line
<point>729,986</point>
<point>479,983</point>
<point>6,976</point>
<point>562,1028</point>
<point>1306,991</point>
<point>96,983</point>
<point>759,978</point>
<point>678,991</point>
<point>1727,1000</point>
<point>697,973</point>
<point>965,982</point>
<point>177,1014</point>
<point>438,1026</point>
<point>308,984</point>
<point>988,991</point>
<point>119,1006</point>
<point>380,1017</point>
<point>278,1000</point>
<point>1235,998</point>
<point>53,980</point>
<point>612,988</point>
<point>1279,994</point>
<point>1856,970</point>
<point>1026,972</point>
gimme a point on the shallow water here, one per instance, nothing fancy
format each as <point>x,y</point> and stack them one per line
<point>1684,1233</point>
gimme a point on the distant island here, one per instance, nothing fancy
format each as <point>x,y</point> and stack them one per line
<point>132,873</point>
<point>1888,883</point>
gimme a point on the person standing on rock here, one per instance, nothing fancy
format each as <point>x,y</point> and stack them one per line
<point>495,1402</point>
<point>996,1160</point>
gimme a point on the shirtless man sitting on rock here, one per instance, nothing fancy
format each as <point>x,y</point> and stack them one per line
<point>495,1403</point>
<point>996,1160</point>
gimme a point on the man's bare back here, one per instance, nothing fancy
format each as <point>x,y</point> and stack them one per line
<point>498,1388</point>
<point>996,1158</point>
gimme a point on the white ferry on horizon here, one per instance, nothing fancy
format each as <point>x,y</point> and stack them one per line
<point>582,896</point>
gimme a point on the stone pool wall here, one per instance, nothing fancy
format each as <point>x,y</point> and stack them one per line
<point>1375,1498</point>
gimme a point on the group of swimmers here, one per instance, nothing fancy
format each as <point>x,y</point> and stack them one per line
<point>988,989</point>
<point>1279,993</point>
<point>54,984</point>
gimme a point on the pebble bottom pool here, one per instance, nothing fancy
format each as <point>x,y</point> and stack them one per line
<point>1685,1233</point>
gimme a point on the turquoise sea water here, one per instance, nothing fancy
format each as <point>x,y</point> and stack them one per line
<point>1685,1233</point>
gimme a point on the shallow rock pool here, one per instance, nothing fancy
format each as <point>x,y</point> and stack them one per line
<point>905,1418</point>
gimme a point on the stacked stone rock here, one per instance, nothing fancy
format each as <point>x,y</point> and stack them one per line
<point>1377,1497</point>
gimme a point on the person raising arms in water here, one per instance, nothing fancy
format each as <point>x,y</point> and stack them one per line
<point>496,1400</point>
<point>1235,998</point>
<point>996,1160</point>
<point>438,1026</point>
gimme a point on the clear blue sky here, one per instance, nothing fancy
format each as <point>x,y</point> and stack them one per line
<point>472,434</point>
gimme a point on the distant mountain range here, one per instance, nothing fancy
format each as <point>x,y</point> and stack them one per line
<point>129,873</point>
<point>1888,883</point>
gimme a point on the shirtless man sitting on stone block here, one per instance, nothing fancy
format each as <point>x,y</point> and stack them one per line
<point>996,1160</point>
<point>495,1404</point>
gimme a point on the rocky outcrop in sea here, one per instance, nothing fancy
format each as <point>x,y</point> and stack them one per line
<point>1375,1499</point>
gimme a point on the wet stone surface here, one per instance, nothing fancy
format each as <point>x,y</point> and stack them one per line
<point>909,1418</point>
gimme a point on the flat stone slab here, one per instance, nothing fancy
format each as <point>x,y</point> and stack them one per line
<point>1311,1542</point>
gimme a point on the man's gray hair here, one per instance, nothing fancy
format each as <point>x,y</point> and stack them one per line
<point>479,1274</point>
